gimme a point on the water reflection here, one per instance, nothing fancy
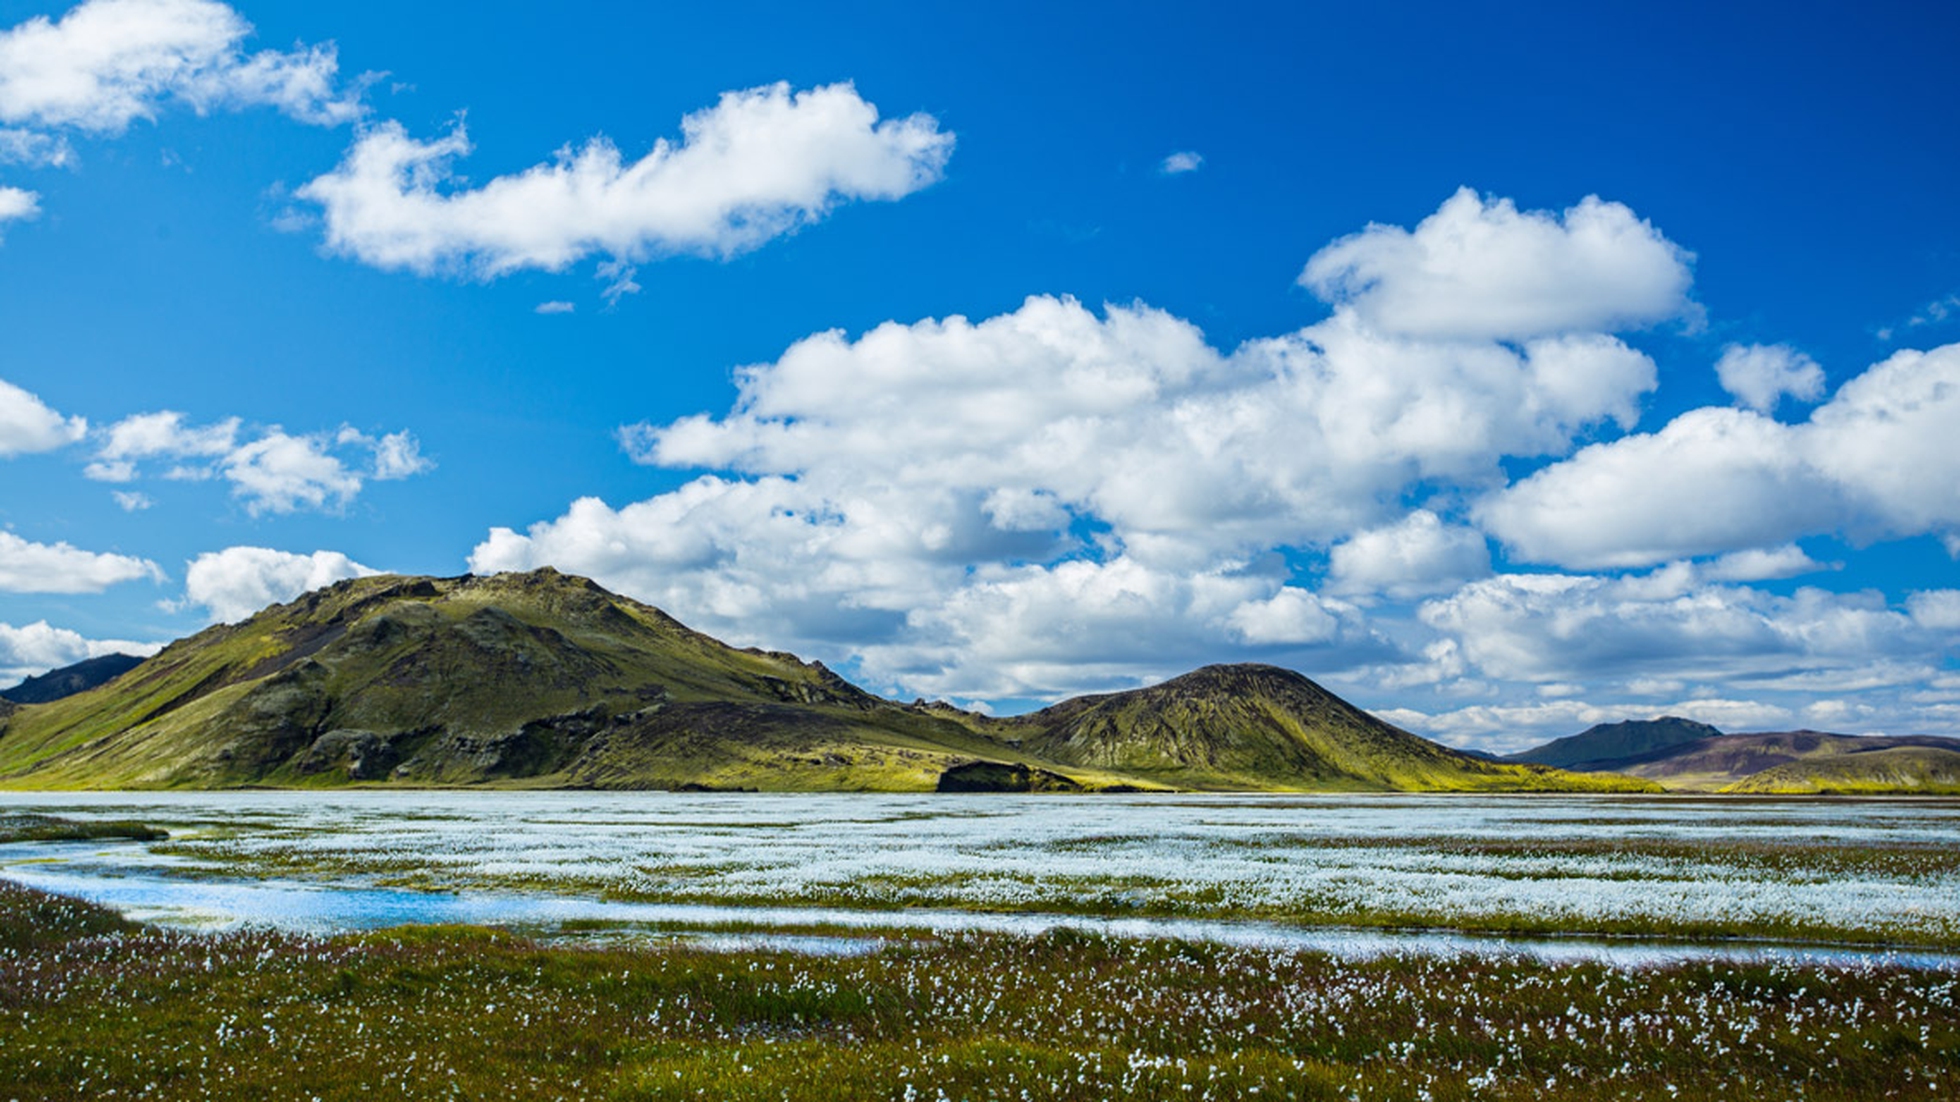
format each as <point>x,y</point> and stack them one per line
<point>156,889</point>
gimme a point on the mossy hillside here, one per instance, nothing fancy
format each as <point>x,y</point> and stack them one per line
<point>455,679</point>
<point>546,680</point>
<point>1921,770</point>
<point>1262,727</point>
<point>528,679</point>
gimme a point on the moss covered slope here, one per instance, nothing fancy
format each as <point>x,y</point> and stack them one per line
<point>542,679</point>
<point>1254,726</point>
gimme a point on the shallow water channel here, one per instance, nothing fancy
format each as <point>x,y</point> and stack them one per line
<point>841,874</point>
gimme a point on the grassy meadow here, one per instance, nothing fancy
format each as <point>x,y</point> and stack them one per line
<point>94,1007</point>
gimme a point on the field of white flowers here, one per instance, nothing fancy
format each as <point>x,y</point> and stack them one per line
<point>1862,870</point>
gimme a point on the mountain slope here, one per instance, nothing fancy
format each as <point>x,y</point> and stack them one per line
<point>1231,726</point>
<point>69,680</point>
<point>1603,744</point>
<point>1726,761</point>
<point>542,679</point>
<point>454,680</point>
<point>1927,770</point>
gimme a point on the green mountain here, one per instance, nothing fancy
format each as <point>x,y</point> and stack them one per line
<point>546,680</point>
<point>1602,745</point>
<point>69,680</point>
<point>1229,726</point>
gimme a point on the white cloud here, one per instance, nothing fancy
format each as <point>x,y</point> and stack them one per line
<point>1668,624</point>
<point>1293,615</point>
<point>1761,374</point>
<point>17,205</point>
<point>1186,453</point>
<point>272,472</point>
<point>34,149</point>
<point>556,306</point>
<point>107,63</point>
<point>132,501</point>
<point>1875,461</point>
<point>943,501</point>
<point>1181,162</point>
<point>237,582</point>
<point>399,455</point>
<point>1935,312</point>
<point>28,567</point>
<point>1936,609</point>
<point>1417,555</point>
<point>1761,564</point>
<point>278,473</point>
<point>757,165</point>
<point>1508,728</point>
<point>28,425</point>
<point>151,435</point>
<point>1482,269</point>
<point>34,649</point>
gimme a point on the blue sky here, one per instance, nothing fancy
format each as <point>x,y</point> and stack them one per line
<point>1508,369</point>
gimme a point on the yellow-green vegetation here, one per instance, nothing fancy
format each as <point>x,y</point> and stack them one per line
<point>24,827</point>
<point>1240,727</point>
<point>546,680</point>
<point>93,1008</point>
<point>1902,769</point>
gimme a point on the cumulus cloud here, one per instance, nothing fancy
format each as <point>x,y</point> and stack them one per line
<point>278,473</point>
<point>237,582</point>
<point>766,562</point>
<point>1875,461</point>
<point>555,306</point>
<point>28,425</point>
<point>127,442</point>
<point>1181,162</point>
<point>949,501</point>
<point>34,649</point>
<point>1508,728</point>
<point>1669,624</point>
<point>1134,419</point>
<point>1936,609</point>
<point>757,165</point>
<point>1761,564</point>
<point>107,63</point>
<point>29,567</point>
<point>1418,555</point>
<point>1481,268</point>
<point>270,472</point>
<point>1759,375</point>
<point>17,205</point>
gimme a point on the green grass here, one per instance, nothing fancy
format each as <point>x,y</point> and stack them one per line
<point>23,827</point>
<point>93,1008</point>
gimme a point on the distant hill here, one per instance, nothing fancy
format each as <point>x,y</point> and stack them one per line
<point>1227,726</point>
<point>547,680</point>
<point>1928,770</point>
<point>69,680</point>
<point>1787,762</point>
<point>1599,746</point>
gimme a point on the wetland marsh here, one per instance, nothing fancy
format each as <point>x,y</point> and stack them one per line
<point>668,946</point>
